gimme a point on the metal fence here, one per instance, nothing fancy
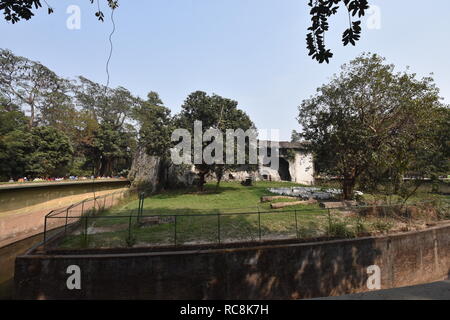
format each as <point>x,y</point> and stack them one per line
<point>81,211</point>
<point>87,227</point>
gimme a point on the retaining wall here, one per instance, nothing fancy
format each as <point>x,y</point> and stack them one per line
<point>271,271</point>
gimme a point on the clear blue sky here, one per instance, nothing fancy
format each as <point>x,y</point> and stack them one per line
<point>250,50</point>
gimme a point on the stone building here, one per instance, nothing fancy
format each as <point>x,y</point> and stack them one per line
<point>294,165</point>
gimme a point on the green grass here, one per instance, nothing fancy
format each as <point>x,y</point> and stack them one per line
<point>197,220</point>
<point>195,223</point>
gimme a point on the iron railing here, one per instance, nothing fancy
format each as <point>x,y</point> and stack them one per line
<point>128,228</point>
<point>88,207</point>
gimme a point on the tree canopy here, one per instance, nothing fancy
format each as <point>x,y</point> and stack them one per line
<point>79,127</point>
<point>214,112</point>
<point>375,124</point>
<point>91,122</point>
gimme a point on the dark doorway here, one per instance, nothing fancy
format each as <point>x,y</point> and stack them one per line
<point>284,170</point>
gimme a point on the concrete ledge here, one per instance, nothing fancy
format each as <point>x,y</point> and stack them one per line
<point>25,185</point>
<point>259,271</point>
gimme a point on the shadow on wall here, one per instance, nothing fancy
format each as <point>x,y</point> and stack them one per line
<point>290,273</point>
<point>276,270</point>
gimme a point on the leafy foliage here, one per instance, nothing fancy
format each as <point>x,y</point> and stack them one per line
<point>15,10</point>
<point>94,119</point>
<point>155,124</point>
<point>214,112</point>
<point>30,84</point>
<point>321,11</point>
<point>374,125</point>
<point>52,153</point>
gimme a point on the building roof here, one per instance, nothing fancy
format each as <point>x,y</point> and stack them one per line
<point>287,144</point>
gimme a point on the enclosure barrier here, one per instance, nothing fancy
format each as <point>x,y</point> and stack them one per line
<point>84,224</point>
<point>80,212</point>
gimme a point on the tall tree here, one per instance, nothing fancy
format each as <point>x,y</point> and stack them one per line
<point>29,84</point>
<point>155,125</point>
<point>15,141</point>
<point>52,153</point>
<point>106,105</point>
<point>214,112</point>
<point>112,109</point>
<point>368,118</point>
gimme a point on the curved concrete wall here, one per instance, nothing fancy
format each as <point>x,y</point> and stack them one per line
<point>271,271</point>
<point>27,205</point>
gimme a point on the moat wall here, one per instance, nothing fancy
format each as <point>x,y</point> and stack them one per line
<point>272,271</point>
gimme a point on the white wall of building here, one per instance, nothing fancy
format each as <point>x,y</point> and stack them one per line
<point>302,168</point>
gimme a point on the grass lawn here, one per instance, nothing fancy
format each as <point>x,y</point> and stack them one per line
<point>197,220</point>
<point>194,217</point>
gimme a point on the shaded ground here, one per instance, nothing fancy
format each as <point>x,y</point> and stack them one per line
<point>432,291</point>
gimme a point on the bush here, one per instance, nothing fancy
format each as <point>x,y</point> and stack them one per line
<point>339,230</point>
<point>383,225</point>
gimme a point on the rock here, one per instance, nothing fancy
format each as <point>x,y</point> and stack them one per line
<point>271,198</point>
<point>310,192</point>
<point>281,205</point>
<point>150,173</point>
<point>144,172</point>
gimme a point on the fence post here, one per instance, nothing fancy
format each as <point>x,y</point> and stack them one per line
<point>86,227</point>
<point>141,206</point>
<point>218,227</point>
<point>175,230</point>
<point>45,230</point>
<point>329,222</point>
<point>67,218</point>
<point>259,223</point>
<point>408,214</point>
<point>129,227</point>
<point>296,225</point>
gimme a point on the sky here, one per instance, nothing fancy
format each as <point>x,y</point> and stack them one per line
<point>252,51</point>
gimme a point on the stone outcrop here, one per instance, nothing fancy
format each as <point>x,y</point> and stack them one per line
<point>150,173</point>
<point>145,172</point>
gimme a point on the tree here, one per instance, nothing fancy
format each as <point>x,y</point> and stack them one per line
<point>155,125</point>
<point>371,121</point>
<point>214,112</point>
<point>106,105</point>
<point>321,11</point>
<point>52,153</point>
<point>29,84</point>
<point>112,149</point>
<point>15,141</point>
<point>111,109</point>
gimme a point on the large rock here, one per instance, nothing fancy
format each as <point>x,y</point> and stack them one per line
<point>150,173</point>
<point>145,172</point>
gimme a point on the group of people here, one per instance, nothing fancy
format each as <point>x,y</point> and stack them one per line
<point>52,179</point>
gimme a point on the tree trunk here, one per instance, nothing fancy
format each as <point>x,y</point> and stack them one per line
<point>348,186</point>
<point>106,167</point>
<point>201,180</point>
<point>32,116</point>
<point>219,176</point>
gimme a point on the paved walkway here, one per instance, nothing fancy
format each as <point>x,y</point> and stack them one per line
<point>431,291</point>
